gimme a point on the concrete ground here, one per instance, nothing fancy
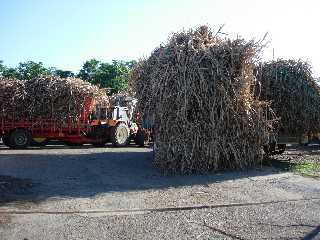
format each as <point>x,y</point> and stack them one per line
<point>115,193</point>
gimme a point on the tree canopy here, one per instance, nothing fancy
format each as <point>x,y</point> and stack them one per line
<point>108,75</point>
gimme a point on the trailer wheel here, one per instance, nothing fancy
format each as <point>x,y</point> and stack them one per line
<point>120,135</point>
<point>5,140</point>
<point>19,139</point>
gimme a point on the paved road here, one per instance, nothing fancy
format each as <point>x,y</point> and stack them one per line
<point>115,193</point>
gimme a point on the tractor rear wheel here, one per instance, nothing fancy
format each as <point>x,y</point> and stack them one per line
<point>141,138</point>
<point>19,139</point>
<point>120,135</point>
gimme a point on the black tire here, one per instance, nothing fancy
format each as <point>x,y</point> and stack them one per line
<point>5,140</point>
<point>20,139</point>
<point>120,135</point>
<point>141,139</point>
<point>281,148</point>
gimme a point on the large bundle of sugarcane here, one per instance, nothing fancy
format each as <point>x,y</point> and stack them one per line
<point>47,97</point>
<point>199,90</point>
<point>293,93</point>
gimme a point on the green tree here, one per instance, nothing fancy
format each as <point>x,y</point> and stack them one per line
<point>29,70</point>
<point>108,75</point>
<point>63,74</point>
<point>89,70</point>
<point>10,73</point>
<point>7,72</point>
<point>2,67</point>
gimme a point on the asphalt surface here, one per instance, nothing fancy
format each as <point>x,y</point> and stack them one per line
<point>115,193</point>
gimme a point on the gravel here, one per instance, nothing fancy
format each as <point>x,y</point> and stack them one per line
<point>276,221</point>
<point>115,193</point>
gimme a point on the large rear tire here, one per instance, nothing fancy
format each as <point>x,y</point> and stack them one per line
<point>19,139</point>
<point>120,135</point>
<point>141,138</point>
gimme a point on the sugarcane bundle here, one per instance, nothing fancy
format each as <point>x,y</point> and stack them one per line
<point>293,93</point>
<point>47,97</point>
<point>11,91</point>
<point>199,90</point>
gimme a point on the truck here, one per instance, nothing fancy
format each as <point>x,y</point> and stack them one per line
<point>96,126</point>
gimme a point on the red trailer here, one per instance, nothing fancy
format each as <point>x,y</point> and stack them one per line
<point>116,127</point>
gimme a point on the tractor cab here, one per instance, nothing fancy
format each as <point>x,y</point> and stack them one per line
<point>119,113</point>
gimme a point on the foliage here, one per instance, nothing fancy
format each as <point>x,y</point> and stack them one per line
<point>2,67</point>
<point>7,72</point>
<point>108,75</point>
<point>307,169</point>
<point>61,73</point>
<point>25,70</point>
<point>29,70</point>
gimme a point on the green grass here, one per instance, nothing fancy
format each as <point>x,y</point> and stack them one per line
<point>307,169</point>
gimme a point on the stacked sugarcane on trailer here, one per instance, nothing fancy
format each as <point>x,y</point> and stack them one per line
<point>69,110</point>
<point>294,96</point>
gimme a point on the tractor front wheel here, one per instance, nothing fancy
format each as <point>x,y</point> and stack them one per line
<point>120,135</point>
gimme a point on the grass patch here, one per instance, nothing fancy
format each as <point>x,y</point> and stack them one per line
<point>307,169</point>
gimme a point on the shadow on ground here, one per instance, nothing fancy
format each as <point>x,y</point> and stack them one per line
<point>86,174</point>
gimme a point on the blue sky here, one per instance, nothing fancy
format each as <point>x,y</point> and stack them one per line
<point>65,33</point>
